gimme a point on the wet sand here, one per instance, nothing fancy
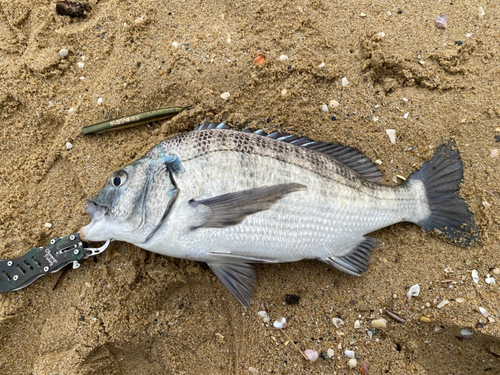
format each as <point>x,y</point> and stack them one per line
<point>133,312</point>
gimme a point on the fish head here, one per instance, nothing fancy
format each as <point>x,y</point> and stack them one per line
<point>133,203</point>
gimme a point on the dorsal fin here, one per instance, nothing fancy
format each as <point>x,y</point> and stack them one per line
<point>347,156</point>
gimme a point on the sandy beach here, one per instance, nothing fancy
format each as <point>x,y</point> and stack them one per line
<point>334,71</point>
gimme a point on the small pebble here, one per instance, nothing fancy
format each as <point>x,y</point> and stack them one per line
<point>350,353</point>
<point>80,65</point>
<point>69,146</point>
<point>311,355</point>
<point>63,53</point>
<point>405,100</point>
<point>281,324</point>
<point>357,324</point>
<point>494,153</point>
<point>324,108</point>
<point>333,104</point>
<point>352,363</point>
<point>266,320</point>
<point>82,78</point>
<point>379,323</point>
<point>475,276</point>
<point>460,300</point>
<point>392,135</point>
<point>283,58</point>
<point>458,42</point>
<point>99,101</point>
<point>285,94</point>
<point>47,225</point>
<point>330,353</point>
<point>425,319</point>
<point>292,299</point>
<point>338,323</point>
<point>225,95</point>
<point>139,21</point>
<point>405,116</point>
<point>395,296</point>
<point>175,44</point>
<point>362,15</point>
<point>443,303</point>
<point>468,35</point>
<point>322,65</point>
<point>345,82</point>
<point>422,62</point>
<point>253,371</point>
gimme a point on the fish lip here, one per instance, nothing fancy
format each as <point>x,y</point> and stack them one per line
<point>96,210</point>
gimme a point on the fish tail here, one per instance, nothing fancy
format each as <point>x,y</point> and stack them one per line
<point>447,211</point>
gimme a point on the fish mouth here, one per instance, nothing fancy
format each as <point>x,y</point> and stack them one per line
<point>97,212</point>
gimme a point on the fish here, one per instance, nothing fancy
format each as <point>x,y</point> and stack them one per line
<point>232,198</point>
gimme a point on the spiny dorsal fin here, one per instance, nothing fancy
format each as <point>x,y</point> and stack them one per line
<point>347,156</point>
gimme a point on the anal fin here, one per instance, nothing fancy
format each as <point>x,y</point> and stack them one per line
<point>356,260</point>
<point>238,278</point>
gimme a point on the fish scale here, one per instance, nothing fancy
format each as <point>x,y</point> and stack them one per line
<point>233,198</point>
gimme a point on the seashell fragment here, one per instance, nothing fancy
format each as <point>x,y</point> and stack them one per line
<point>443,303</point>
<point>262,314</point>
<point>283,58</point>
<point>281,324</point>
<point>324,108</point>
<point>330,353</point>
<point>414,291</point>
<point>260,60</point>
<point>392,135</point>
<point>494,153</point>
<point>350,353</point>
<point>475,276</point>
<point>338,323</point>
<point>379,323</point>
<point>484,312</point>
<point>441,22</point>
<point>352,363</point>
<point>489,280</point>
<point>357,324</point>
<point>345,82</point>
<point>225,95</point>
<point>311,355</point>
<point>465,332</point>
<point>460,300</point>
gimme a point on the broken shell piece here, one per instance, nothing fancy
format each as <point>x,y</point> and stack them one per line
<point>324,108</point>
<point>443,303</point>
<point>333,103</point>
<point>414,291</point>
<point>484,312</point>
<point>311,355</point>
<point>480,12</point>
<point>392,135</point>
<point>281,324</point>
<point>350,353</point>
<point>260,60</point>
<point>262,314</point>
<point>460,300</point>
<point>494,153</point>
<point>489,280</point>
<point>47,225</point>
<point>225,95</point>
<point>283,58</point>
<point>379,323</point>
<point>441,22</point>
<point>69,145</point>
<point>285,94</point>
<point>175,44</point>
<point>379,35</point>
<point>345,82</point>
<point>338,323</point>
<point>465,332</point>
<point>357,324</point>
<point>330,353</point>
<point>322,65</point>
<point>475,276</point>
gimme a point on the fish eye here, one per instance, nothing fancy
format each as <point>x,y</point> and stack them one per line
<point>119,178</point>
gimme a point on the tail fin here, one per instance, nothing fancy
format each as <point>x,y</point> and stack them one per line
<point>449,214</point>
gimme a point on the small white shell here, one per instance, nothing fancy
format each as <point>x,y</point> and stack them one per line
<point>283,58</point>
<point>484,312</point>
<point>281,324</point>
<point>324,108</point>
<point>345,82</point>
<point>490,280</point>
<point>262,314</point>
<point>225,95</point>
<point>338,323</point>
<point>357,324</point>
<point>441,22</point>
<point>352,363</point>
<point>80,65</point>
<point>443,303</point>
<point>350,353</point>
<point>475,276</point>
<point>322,65</point>
<point>311,355</point>
<point>414,291</point>
<point>465,332</point>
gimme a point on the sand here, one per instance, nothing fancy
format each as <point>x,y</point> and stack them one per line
<point>129,311</point>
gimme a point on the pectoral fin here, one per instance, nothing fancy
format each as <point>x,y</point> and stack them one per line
<point>231,209</point>
<point>238,278</point>
<point>356,259</point>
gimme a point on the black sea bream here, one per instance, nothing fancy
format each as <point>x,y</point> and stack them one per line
<point>231,198</point>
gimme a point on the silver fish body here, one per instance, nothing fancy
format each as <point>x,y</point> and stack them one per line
<point>232,198</point>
